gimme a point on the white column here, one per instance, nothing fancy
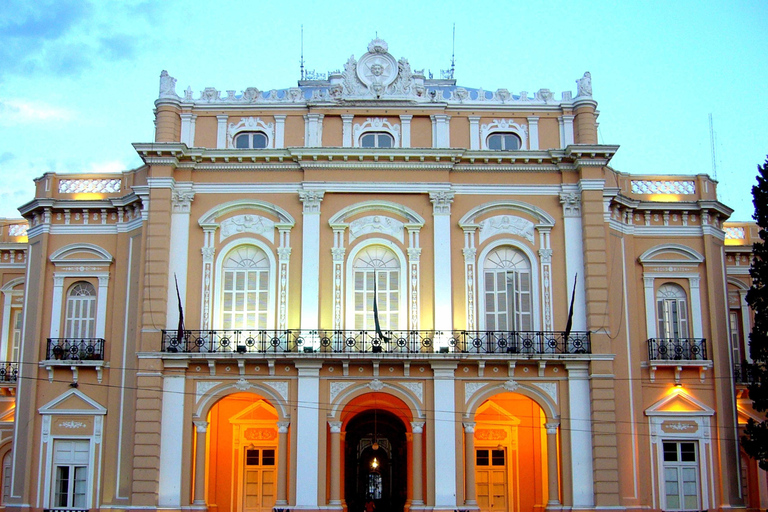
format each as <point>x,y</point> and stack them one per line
<point>574,257</point>
<point>308,431</point>
<point>179,246</point>
<point>221,132</point>
<point>313,130</point>
<point>199,496</point>
<point>533,133</point>
<point>405,130</point>
<point>581,434</point>
<point>441,133</point>
<point>441,212</point>
<point>186,121</point>
<point>553,500</point>
<point>58,297</point>
<point>346,130</point>
<point>445,435</point>
<point>698,328</point>
<point>417,464</point>
<point>568,130</point>
<point>336,457</point>
<point>310,258</point>
<point>474,132</point>
<point>101,306</point>
<point>745,325</point>
<point>279,131</point>
<point>650,308</point>
<point>470,498</point>
<point>171,438</point>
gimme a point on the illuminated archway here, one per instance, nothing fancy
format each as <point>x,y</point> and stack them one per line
<point>243,457</point>
<point>511,471</point>
<point>376,452</point>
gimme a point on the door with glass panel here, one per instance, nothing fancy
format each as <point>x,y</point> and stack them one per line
<point>491,480</point>
<point>70,474</point>
<point>259,479</point>
<point>681,476</point>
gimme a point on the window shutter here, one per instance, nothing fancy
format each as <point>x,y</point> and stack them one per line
<point>660,311</point>
<point>682,310</point>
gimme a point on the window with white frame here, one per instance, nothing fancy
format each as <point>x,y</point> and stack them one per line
<point>80,320</point>
<point>507,289</point>
<point>251,140</point>
<point>377,140</point>
<point>70,474</point>
<point>15,345</point>
<point>681,475</point>
<point>382,265</point>
<point>504,141</point>
<point>671,311</point>
<point>245,288</point>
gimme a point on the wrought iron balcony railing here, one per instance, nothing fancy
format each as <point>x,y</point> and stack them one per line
<point>9,372</point>
<point>677,349</point>
<point>75,349</point>
<point>744,373</point>
<point>364,341</point>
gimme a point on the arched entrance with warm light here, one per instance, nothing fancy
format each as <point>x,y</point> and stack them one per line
<point>511,454</point>
<point>243,454</point>
<point>377,427</point>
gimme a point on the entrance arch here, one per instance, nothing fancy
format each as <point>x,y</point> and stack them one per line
<point>376,453</point>
<point>243,455</point>
<point>511,448</point>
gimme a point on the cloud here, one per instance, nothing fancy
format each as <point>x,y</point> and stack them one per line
<point>118,46</point>
<point>16,111</point>
<point>6,157</point>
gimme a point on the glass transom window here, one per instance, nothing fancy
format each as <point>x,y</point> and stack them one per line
<point>672,311</point>
<point>504,142</point>
<point>507,281</point>
<point>245,290</point>
<point>382,263</point>
<point>376,140</point>
<point>251,140</point>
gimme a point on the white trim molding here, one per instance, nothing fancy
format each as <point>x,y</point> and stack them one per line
<point>377,124</point>
<point>506,126</point>
<point>252,124</point>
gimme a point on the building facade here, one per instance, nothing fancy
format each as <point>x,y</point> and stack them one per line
<point>394,290</point>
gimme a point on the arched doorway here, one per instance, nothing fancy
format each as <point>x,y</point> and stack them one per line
<point>243,454</point>
<point>510,444</point>
<point>376,455</point>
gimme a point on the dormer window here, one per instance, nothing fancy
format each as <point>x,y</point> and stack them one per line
<point>376,140</point>
<point>504,142</point>
<point>251,140</point>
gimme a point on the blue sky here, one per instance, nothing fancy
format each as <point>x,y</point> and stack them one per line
<point>78,78</point>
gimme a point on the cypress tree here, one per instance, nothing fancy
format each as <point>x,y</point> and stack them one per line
<point>755,442</point>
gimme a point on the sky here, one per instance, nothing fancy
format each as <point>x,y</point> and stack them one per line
<point>78,78</point>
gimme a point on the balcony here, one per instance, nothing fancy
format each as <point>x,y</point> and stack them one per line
<point>678,353</point>
<point>9,373</point>
<point>75,353</point>
<point>297,341</point>
<point>744,374</point>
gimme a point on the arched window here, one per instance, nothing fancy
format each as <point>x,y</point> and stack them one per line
<point>245,288</point>
<point>382,263</point>
<point>376,140</point>
<point>503,141</point>
<point>80,320</point>
<point>251,140</point>
<point>507,285</point>
<point>672,311</point>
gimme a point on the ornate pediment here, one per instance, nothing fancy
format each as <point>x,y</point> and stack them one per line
<point>377,75</point>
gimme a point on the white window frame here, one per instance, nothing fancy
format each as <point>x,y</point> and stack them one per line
<point>532,261</point>
<point>73,466</point>
<point>695,325</point>
<point>679,464</point>
<point>350,280</point>
<point>77,302</point>
<point>512,311</point>
<point>261,287</point>
<point>250,134</point>
<point>502,135</point>
<point>505,126</point>
<point>9,311</point>
<point>251,124</point>
<point>376,124</point>
<point>376,136</point>
<point>219,281</point>
<point>672,312</point>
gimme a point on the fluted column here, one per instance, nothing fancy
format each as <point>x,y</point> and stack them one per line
<point>282,463</point>
<point>552,480</point>
<point>418,467</point>
<point>202,429</point>
<point>335,462</point>
<point>469,464</point>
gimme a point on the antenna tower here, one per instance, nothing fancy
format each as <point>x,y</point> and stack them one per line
<point>301,62</point>
<point>453,52</point>
<point>712,144</point>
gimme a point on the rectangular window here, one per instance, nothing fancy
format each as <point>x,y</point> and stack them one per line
<point>508,301</point>
<point>16,335</point>
<point>387,299</point>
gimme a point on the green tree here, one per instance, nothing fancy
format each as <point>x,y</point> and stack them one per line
<point>755,441</point>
